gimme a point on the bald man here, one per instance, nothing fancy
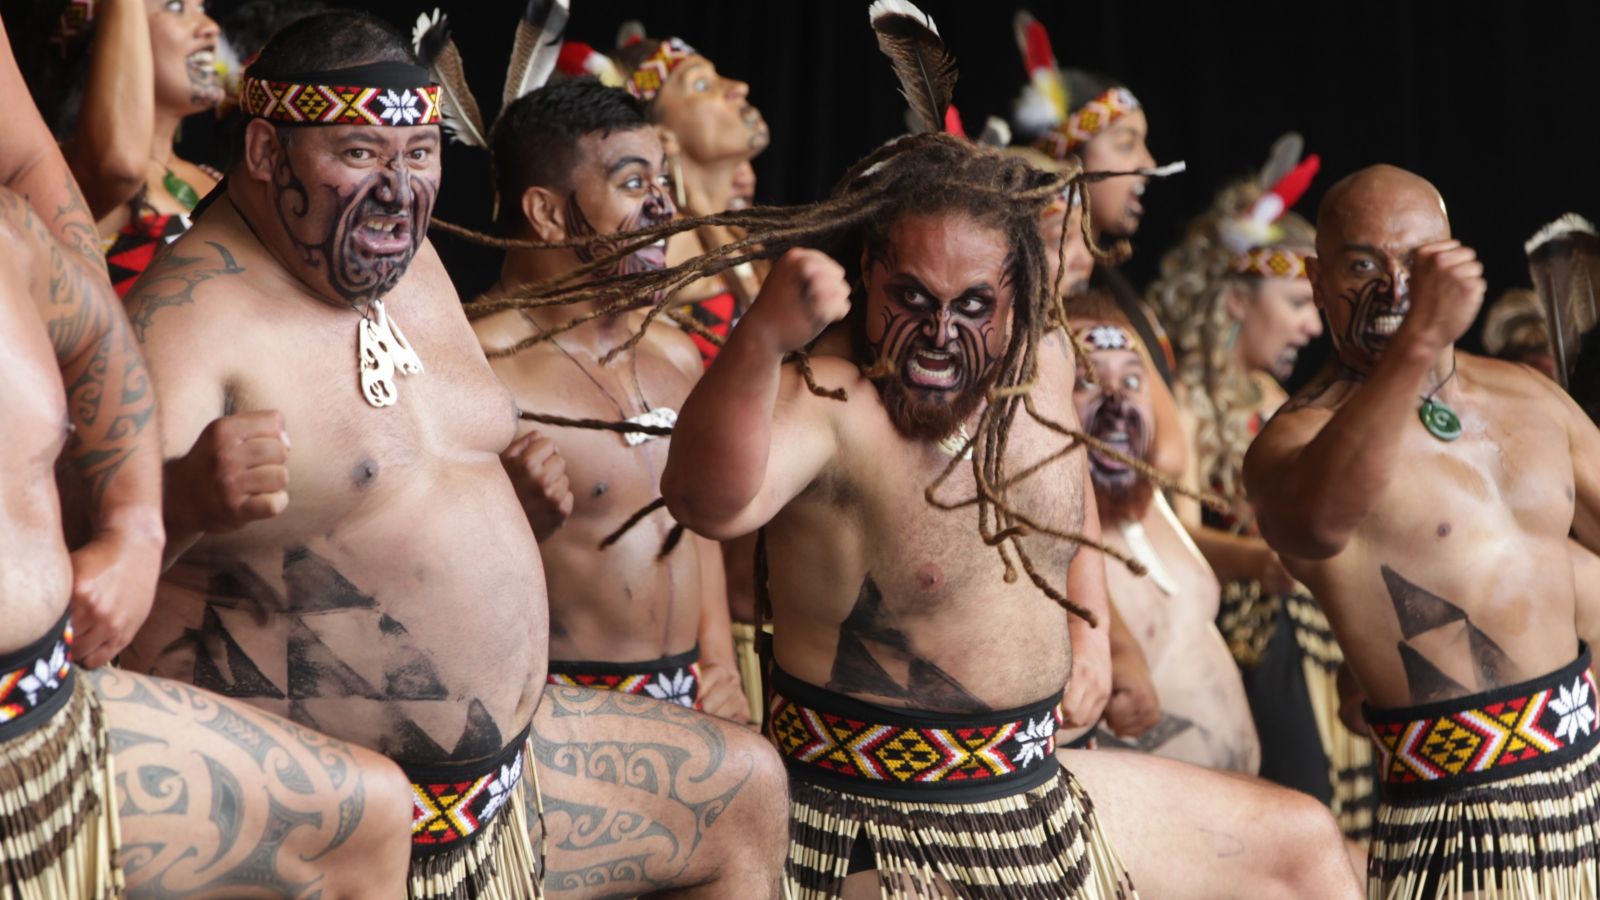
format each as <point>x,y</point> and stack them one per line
<point>1425,497</point>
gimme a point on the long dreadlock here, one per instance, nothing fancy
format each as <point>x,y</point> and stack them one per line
<point>917,173</point>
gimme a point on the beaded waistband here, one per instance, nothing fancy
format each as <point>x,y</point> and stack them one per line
<point>675,679</point>
<point>452,803</point>
<point>36,680</point>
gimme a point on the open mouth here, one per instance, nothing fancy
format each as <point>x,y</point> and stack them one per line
<point>384,235</point>
<point>1383,325</point>
<point>653,256</point>
<point>1119,430</point>
<point>1283,367</point>
<point>934,370</point>
<point>203,65</point>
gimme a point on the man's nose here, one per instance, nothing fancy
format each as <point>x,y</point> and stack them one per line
<point>737,90</point>
<point>942,331</point>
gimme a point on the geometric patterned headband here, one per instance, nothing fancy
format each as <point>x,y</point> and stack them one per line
<point>1090,120</point>
<point>652,73</point>
<point>1106,336</point>
<point>386,94</point>
<point>1269,262</point>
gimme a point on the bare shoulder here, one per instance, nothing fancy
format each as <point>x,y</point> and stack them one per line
<point>499,331</point>
<point>185,285</point>
<point>1508,380</point>
<point>674,345</point>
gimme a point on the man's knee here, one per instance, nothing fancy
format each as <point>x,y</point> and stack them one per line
<point>1309,857</point>
<point>764,812</point>
<point>374,861</point>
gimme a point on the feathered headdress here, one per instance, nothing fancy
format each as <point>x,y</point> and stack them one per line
<point>1564,261</point>
<point>1283,181</point>
<point>534,52</point>
<point>1045,101</point>
<point>579,59</point>
<point>927,73</point>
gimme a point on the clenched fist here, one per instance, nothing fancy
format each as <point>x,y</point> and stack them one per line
<point>1447,289</point>
<point>539,475</point>
<point>236,473</point>
<point>804,293</point>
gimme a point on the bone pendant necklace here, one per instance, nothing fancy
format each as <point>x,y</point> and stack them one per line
<point>381,350</point>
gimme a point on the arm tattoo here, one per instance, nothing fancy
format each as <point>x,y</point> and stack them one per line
<point>171,280</point>
<point>857,670</point>
<point>74,225</point>
<point>630,787</point>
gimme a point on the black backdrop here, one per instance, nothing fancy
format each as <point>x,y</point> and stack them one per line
<point>1495,103</point>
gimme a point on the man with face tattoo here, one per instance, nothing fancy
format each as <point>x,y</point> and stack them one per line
<point>1425,497</point>
<point>110,781</point>
<point>913,688</point>
<point>577,159</point>
<point>1205,718</point>
<point>348,550</point>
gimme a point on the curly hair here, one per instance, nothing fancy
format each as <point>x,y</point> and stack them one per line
<point>1191,297</point>
<point>922,173</point>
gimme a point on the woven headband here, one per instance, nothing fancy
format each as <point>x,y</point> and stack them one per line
<point>1270,262</point>
<point>1108,337</point>
<point>1087,122</point>
<point>647,80</point>
<point>389,94</point>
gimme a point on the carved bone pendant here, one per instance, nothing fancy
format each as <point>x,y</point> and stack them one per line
<point>381,350</point>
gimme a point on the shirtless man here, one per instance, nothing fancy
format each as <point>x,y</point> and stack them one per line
<point>210,796</point>
<point>576,158</point>
<point>1205,718</point>
<point>894,626</point>
<point>380,578</point>
<point>1439,550</point>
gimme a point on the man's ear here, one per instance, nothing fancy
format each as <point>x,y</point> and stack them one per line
<point>542,210</point>
<point>1313,270</point>
<point>262,149</point>
<point>669,141</point>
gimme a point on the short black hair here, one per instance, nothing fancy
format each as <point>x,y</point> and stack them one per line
<point>535,141</point>
<point>250,25</point>
<point>337,39</point>
<point>1083,86</point>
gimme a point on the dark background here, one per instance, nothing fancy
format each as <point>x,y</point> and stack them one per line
<point>1492,102</point>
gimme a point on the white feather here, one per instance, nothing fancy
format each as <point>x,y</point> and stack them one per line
<point>1033,113</point>
<point>890,7</point>
<point>996,133</point>
<point>1571,223</point>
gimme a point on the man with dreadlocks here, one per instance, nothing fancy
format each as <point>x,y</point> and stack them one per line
<point>379,580</point>
<point>916,673</point>
<point>1425,498</point>
<point>577,159</point>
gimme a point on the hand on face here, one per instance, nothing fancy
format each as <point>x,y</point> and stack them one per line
<point>183,43</point>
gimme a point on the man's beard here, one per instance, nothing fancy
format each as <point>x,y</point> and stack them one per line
<point>929,420</point>
<point>1124,495</point>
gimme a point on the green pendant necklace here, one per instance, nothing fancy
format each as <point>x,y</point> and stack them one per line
<point>1440,420</point>
<point>181,190</point>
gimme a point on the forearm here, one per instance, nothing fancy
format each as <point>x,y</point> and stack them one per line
<point>1086,577</point>
<point>725,428</point>
<point>716,625</point>
<point>109,151</point>
<point>1340,475</point>
<point>1233,557</point>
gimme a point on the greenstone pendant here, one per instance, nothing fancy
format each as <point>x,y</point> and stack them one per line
<point>181,190</point>
<point>1440,420</point>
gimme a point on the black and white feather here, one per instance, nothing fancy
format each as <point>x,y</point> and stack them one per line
<point>536,48</point>
<point>927,74</point>
<point>458,109</point>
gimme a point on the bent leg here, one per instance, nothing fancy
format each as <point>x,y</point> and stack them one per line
<point>642,797</point>
<point>1185,831</point>
<point>217,799</point>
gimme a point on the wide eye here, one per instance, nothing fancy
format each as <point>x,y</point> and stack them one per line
<point>173,6</point>
<point>1082,383</point>
<point>634,183</point>
<point>915,299</point>
<point>664,182</point>
<point>358,153</point>
<point>419,154</point>
<point>1363,267</point>
<point>1132,382</point>
<point>700,85</point>
<point>971,306</point>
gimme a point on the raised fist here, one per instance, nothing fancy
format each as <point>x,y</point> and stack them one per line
<point>236,473</point>
<point>804,293</point>
<point>539,475</point>
<point>1447,289</point>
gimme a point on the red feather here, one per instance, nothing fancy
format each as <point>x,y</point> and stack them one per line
<point>952,122</point>
<point>1038,55</point>
<point>1292,186</point>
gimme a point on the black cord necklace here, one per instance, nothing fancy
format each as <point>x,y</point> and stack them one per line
<point>1440,420</point>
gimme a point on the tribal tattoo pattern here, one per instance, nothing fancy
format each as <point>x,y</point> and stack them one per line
<point>655,210</point>
<point>631,786</point>
<point>171,280</point>
<point>218,799</point>
<point>328,226</point>
<point>1420,612</point>
<point>317,599</point>
<point>867,636</point>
